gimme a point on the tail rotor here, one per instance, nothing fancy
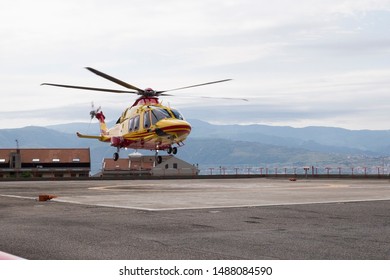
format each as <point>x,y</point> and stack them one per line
<point>93,112</point>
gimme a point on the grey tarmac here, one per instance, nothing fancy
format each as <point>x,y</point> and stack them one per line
<point>197,219</point>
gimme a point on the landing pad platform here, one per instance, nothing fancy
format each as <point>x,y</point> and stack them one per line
<point>156,195</point>
<point>197,219</point>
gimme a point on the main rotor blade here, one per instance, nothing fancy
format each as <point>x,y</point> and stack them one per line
<point>230,98</point>
<point>204,84</point>
<point>115,80</point>
<point>91,88</point>
<point>215,97</point>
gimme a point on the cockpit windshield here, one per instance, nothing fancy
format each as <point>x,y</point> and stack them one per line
<point>159,114</point>
<point>155,114</point>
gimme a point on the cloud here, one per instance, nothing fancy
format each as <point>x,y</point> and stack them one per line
<point>300,59</point>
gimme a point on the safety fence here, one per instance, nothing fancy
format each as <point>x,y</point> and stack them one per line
<point>306,171</point>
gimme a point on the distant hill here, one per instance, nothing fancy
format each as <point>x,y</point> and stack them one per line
<point>313,138</point>
<point>323,139</point>
<point>222,145</point>
<point>36,137</point>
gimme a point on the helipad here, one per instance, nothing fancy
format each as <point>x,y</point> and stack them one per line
<point>155,195</point>
<point>196,219</point>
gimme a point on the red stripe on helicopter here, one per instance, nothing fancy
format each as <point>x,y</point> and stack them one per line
<point>176,128</point>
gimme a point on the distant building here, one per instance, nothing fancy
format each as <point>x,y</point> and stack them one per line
<point>45,163</point>
<point>140,165</point>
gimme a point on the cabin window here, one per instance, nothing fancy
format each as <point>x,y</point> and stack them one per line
<point>76,160</point>
<point>35,160</point>
<point>136,123</point>
<point>159,114</point>
<point>131,123</point>
<point>56,160</point>
<point>2,159</point>
<point>177,114</point>
<point>175,165</point>
<point>147,119</point>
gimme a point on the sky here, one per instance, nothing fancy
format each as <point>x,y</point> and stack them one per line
<point>299,63</point>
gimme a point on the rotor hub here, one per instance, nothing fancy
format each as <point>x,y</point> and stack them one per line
<point>149,92</point>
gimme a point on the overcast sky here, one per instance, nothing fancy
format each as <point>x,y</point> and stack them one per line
<point>300,63</point>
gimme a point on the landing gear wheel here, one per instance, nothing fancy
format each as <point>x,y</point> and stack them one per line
<point>116,156</point>
<point>158,159</point>
<point>174,150</point>
<point>169,151</point>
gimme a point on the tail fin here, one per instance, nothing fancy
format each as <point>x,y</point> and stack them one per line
<point>104,135</point>
<point>103,127</point>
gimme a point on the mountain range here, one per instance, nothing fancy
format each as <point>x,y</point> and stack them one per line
<point>231,145</point>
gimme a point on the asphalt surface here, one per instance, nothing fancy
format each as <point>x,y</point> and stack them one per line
<point>197,219</point>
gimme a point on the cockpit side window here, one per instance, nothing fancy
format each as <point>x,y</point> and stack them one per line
<point>177,114</point>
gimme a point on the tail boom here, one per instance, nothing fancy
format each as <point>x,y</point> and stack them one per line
<point>102,138</point>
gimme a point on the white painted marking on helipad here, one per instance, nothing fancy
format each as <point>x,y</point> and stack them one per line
<point>209,194</point>
<point>212,207</point>
<point>18,196</point>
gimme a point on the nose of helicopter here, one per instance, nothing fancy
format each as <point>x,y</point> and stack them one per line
<point>179,128</point>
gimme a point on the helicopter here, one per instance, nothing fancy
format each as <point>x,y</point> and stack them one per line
<point>147,124</point>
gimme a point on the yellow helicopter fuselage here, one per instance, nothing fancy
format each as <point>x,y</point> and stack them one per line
<point>146,125</point>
